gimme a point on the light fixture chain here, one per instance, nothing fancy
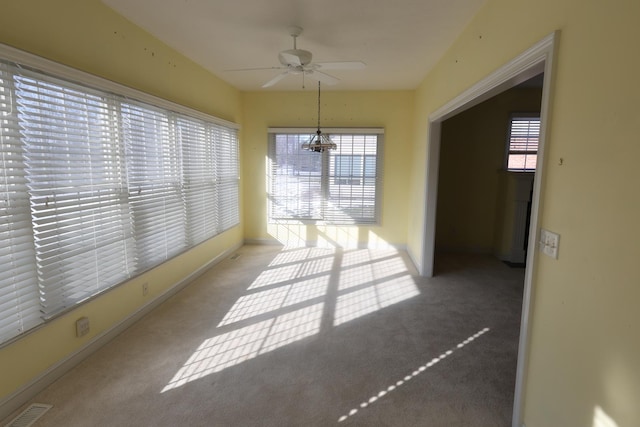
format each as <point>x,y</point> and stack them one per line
<point>318,105</point>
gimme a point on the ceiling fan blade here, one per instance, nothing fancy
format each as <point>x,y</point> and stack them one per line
<point>324,77</point>
<point>276,79</point>
<point>341,65</point>
<point>256,69</point>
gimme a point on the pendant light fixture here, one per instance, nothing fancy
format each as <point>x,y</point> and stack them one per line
<point>320,142</point>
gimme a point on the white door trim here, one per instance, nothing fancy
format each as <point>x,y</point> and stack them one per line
<point>537,59</point>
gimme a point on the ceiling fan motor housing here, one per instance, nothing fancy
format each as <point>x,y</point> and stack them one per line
<point>295,57</point>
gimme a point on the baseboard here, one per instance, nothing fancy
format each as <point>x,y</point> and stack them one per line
<point>515,264</point>
<point>502,256</point>
<point>14,401</point>
<point>314,243</point>
<point>269,242</point>
<point>476,250</point>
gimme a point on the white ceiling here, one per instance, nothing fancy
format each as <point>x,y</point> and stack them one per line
<point>399,41</point>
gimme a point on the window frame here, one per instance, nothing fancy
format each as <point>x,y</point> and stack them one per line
<point>529,116</point>
<point>329,180</point>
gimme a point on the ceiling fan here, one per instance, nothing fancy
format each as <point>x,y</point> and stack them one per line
<point>299,61</point>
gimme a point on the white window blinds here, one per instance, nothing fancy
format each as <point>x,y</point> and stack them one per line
<point>295,178</point>
<point>74,178</point>
<point>95,188</point>
<point>211,178</point>
<point>339,186</point>
<point>227,178</point>
<point>524,136</point>
<point>200,178</point>
<point>353,180</point>
<point>19,302</point>
<point>154,184</point>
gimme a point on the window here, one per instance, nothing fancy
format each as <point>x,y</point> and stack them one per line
<point>96,187</point>
<point>524,133</point>
<point>339,186</point>
<point>74,178</point>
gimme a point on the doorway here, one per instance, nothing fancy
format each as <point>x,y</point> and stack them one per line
<point>486,172</point>
<point>538,59</point>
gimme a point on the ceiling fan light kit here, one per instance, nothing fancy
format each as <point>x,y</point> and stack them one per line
<point>319,143</point>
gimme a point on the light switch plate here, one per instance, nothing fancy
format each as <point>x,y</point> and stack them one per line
<point>549,243</point>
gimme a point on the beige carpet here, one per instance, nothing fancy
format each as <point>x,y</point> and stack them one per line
<point>311,337</point>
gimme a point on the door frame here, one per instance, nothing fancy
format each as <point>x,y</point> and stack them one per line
<point>535,60</point>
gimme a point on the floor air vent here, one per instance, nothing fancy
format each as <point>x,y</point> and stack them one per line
<point>235,256</point>
<point>29,415</point>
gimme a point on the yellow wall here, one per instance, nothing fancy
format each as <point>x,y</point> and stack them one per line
<point>472,154</point>
<point>89,36</point>
<point>389,110</point>
<point>584,345</point>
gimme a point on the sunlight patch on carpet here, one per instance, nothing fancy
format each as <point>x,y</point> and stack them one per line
<point>240,345</point>
<point>271,300</point>
<point>364,404</point>
<point>374,297</point>
<point>289,299</point>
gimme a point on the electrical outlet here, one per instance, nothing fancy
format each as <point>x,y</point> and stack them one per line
<point>82,326</point>
<point>549,243</point>
<point>145,289</point>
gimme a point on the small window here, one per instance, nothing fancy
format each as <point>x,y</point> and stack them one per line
<point>522,150</point>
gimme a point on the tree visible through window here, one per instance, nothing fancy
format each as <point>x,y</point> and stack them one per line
<point>524,134</point>
<point>338,186</point>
